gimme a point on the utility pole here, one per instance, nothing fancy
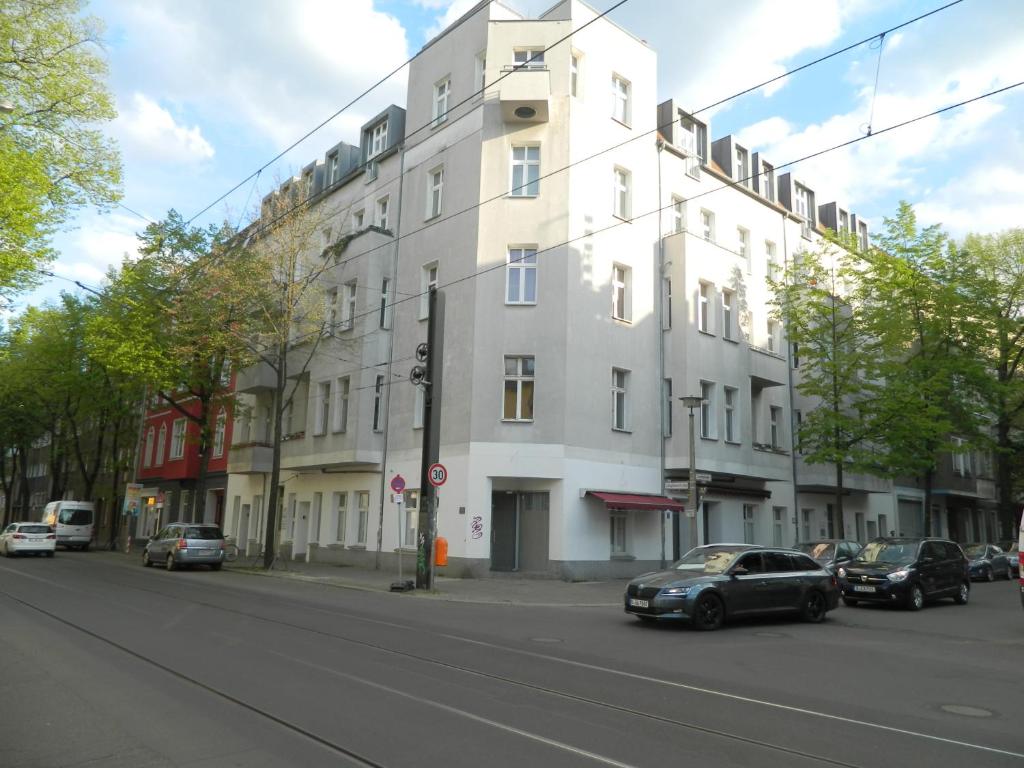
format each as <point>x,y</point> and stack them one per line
<point>429,377</point>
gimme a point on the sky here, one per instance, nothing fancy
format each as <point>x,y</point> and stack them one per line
<point>209,91</point>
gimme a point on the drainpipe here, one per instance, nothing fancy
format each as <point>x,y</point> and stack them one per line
<point>663,409</point>
<point>387,374</point>
<point>792,410</point>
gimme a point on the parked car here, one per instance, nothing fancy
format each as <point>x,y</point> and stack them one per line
<point>905,572</point>
<point>987,561</point>
<point>182,544</point>
<point>28,539</point>
<point>829,553</point>
<point>717,582</point>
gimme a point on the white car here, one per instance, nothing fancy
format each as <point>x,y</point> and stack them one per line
<point>28,538</point>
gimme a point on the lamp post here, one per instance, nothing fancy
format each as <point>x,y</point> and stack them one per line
<point>691,402</point>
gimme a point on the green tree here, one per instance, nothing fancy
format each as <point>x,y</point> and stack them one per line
<point>53,157</point>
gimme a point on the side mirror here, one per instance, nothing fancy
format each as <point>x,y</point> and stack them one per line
<point>738,570</point>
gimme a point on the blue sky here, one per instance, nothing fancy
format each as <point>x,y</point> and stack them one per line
<point>210,91</point>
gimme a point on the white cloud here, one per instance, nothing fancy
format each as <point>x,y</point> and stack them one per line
<point>146,127</point>
<point>100,243</point>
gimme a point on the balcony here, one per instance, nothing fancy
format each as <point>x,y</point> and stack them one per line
<point>524,94</point>
<point>250,459</point>
<point>767,368</point>
<point>256,378</point>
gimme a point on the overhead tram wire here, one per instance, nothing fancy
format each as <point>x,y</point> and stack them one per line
<point>469,14</point>
<point>606,150</point>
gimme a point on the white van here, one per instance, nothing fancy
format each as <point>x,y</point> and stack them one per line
<point>72,521</point>
<point>1020,549</point>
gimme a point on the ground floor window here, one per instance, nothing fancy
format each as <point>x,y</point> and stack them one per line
<point>779,515</point>
<point>618,533</point>
<point>364,515</point>
<point>748,523</point>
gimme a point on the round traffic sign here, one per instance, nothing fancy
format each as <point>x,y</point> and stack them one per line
<point>397,483</point>
<point>437,474</point>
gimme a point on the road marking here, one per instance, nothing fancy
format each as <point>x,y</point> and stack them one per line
<point>456,711</point>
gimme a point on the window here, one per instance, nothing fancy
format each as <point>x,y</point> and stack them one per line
<point>620,99</point>
<point>435,190</point>
<point>731,396</point>
<point>442,90</point>
<point>618,533</point>
<point>378,139</point>
<point>161,445</point>
<point>385,299</point>
<point>364,516</point>
<point>771,259</point>
<point>529,58</point>
<point>148,453</point>
<point>727,319</point>
<point>666,427</point>
<point>844,222</point>
<point>707,394</point>
<point>703,308</point>
<point>767,182</point>
<point>358,219</point>
<point>693,140</point>
<point>621,204</point>
<point>622,278</point>
<point>773,335</point>
<point>348,310</point>
<point>775,420</point>
<point>805,208</point>
<point>314,517</point>
<point>619,380</point>
<point>323,408</point>
<point>178,439</point>
<point>411,501</point>
<point>748,523</point>
<point>341,392</point>
<point>378,403</point>
<point>678,214</point>
<point>382,213</point>
<point>219,430</point>
<point>428,280</point>
<point>333,168</point>
<point>743,245</point>
<point>574,74</point>
<point>862,235</point>
<point>521,276</point>
<point>340,516</point>
<point>798,417</point>
<point>517,403</point>
<point>707,223</point>
<point>480,75</point>
<point>741,171</point>
<point>525,171</point>
<point>330,311</point>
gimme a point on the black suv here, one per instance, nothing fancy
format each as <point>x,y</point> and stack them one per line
<point>905,572</point>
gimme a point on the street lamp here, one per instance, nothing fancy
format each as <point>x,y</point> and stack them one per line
<point>691,402</point>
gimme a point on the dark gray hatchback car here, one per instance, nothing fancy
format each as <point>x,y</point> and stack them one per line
<point>720,581</point>
<point>182,544</point>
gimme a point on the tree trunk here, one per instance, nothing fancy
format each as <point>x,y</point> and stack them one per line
<point>840,527</point>
<point>1008,510</point>
<point>928,478</point>
<point>270,538</point>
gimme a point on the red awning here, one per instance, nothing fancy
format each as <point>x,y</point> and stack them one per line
<point>636,501</point>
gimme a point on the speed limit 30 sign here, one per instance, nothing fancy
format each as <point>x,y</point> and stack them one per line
<point>437,474</point>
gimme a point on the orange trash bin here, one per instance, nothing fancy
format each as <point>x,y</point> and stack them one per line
<point>440,551</point>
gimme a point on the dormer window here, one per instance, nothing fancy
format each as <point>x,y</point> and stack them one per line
<point>862,235</point>
<point>804,207</point>
<point>767,182</point>
<point>693,141</point>
<point>844,222</point>
<point>741,167</point>
<point>528,58</point>
<point>378,139</point>
<point>333,167</point>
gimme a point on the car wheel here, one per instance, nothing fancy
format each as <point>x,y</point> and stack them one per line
<point>963,594</point>
<point>989,575</point>
<point>814,607</point>
<point>709,613</point>
<point>1009,573</point>
<point>215,566</point>
<point>849,602</point>
<point>145,559</point>
<point>171,565</point>
<point>49,554</point>
<point>915,598</point>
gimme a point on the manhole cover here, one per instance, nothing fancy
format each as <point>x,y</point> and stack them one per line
<point>962,709</point>
<point>546,639</point>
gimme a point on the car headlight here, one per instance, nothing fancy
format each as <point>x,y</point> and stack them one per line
<point>842,573</point>
<point>677,591</point>
<point>899,575</point>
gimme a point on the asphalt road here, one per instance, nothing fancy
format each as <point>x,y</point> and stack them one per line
<point>105,663</point>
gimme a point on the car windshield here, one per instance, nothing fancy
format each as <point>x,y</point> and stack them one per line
<point>34,529</point>
<point>708,559</point>
<point>203,532</point>
<point>974,551</point>
<point>819,550</point>
<point>76,516</point>
<point>895,552</point>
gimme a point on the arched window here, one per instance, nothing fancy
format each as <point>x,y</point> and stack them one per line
<point>147,455</point>
<point>218,433</point>
<point>160,445</point>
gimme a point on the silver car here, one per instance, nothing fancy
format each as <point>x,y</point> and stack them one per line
<point>181,544</point>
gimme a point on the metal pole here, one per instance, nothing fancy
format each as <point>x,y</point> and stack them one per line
<point>693,484</point>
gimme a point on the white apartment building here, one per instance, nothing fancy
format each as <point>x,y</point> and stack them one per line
<point>600,257</point>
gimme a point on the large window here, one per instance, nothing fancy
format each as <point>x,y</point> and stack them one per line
<point>622,278</point>
<point>529,58</point>
<point>330,311</point>
<point>731,398</point>
<point>442,92</point>
<point>340,515</point>
<point>348,309</point>
<point>521,276</point>
<point>775,422</point>
<point>341,392</point>
<point>742,170</point>
<point>707,225</point>
<point>620,99</point>
<point>428,280</point>
<point>678,214</point>
<point>384,318</point>
<point>693,138</point>
<point>743,245</point>
<point>378,139</point>
<point>707,409</point>
<point>525,171</point>
<point>147,460</point>
<point>704,308</point>
<point>364,516</point>
<point>177,439</point>
<point>805,208</point>
<point>728,299</point>
<point>619,545</point>
<point>748,523</point>
<point>772,259</point>
<point>435,191</point>
<point>517,404</point>
<point>219,430</point>
<point>323,408</point>
<point>767,182</point>
<point>161,445</point>
<point>620,378</point>
<point>382,212</point>
<point>778,519</point>
<point>622,202</point>
<point>378,403</point>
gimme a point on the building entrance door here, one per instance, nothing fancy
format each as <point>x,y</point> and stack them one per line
<point>504,531</point>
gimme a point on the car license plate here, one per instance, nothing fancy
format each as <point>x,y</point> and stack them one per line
<point>863,588</point>
<point>637,603</point>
